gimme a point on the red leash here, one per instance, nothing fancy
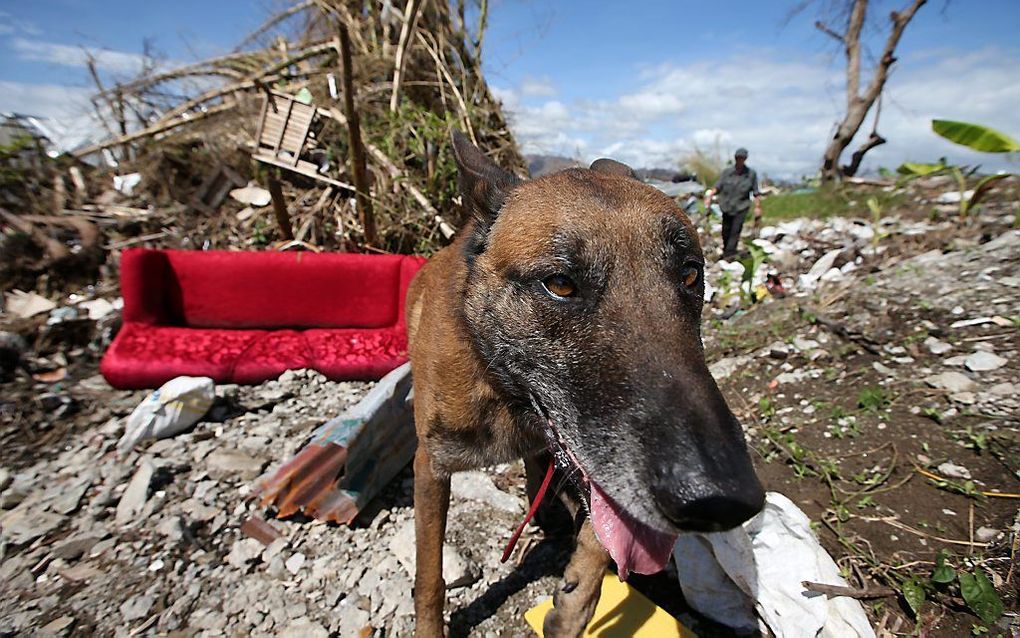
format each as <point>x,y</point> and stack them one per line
<point>531,513</point>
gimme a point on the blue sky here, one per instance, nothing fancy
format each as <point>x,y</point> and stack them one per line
<point>640,81</point>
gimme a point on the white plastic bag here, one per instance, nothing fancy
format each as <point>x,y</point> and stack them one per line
<point>728,576</point>
<point>173,408</point>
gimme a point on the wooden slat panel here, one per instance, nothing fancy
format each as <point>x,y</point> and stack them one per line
<point>276,148</point>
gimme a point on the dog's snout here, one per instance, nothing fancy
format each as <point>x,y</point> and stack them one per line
<point>711,512</point>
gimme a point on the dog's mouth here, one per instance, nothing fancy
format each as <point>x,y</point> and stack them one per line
<point>633,545</point>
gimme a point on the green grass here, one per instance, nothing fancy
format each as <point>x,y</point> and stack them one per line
<point>820,204</point>
<point>826,202</point>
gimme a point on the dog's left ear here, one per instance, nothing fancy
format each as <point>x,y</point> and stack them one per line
<point>483,184</point>
<point>605,165</point>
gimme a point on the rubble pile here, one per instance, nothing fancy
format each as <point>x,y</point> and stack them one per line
<point>369,167</point>
<point>170,538</point>
<point>804,254</point>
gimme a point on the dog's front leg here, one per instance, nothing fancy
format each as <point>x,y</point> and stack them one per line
<point>431,502</point>
<point>574,602</point>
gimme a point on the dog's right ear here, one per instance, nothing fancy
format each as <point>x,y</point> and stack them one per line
<point>483,184</point>
<point>605,165</point>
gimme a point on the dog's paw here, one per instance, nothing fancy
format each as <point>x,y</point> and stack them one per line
<point>570,613</point>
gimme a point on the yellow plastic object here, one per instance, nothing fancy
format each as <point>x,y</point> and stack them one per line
<point>622,612</point>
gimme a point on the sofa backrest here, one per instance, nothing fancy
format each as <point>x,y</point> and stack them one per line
<point>224,289</point>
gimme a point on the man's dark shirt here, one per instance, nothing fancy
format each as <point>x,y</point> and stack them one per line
<point>734,189</point>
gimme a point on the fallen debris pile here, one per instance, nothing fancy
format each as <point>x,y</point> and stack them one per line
<point>335,121</point>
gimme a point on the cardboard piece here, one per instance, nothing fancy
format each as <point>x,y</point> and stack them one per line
<point>622,612</point>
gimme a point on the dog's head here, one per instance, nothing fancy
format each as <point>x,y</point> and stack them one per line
<point>583,295</point>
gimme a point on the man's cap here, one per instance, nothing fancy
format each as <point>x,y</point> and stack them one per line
<point>741,152</point>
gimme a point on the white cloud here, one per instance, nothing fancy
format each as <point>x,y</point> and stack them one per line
<point>651,104</point>
<point>782,109</point>
<point>537,87</point>
<point>10,24</point>
<point>117,62</point>
<point>67,111</point>
<point>710,138</point>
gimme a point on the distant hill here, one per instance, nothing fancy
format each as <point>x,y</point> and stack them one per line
<point>664,174</point>
<point>540,165</point>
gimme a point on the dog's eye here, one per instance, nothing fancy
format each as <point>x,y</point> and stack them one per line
<point>560,286</point>
<point>690,275</point>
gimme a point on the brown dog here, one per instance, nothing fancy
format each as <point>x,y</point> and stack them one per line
<point>566,319</point>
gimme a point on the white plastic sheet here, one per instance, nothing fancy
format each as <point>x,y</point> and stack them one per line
<point>755,572</point>
<point>173,408</point>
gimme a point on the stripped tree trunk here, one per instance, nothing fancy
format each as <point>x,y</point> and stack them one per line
<point>858,104</point>
<point>358,169</point>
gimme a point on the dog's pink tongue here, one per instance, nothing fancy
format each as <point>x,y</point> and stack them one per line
<point>633,545</point>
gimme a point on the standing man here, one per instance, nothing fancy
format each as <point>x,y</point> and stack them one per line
<point>734,188</point>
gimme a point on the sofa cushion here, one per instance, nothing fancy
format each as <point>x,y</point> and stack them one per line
<point>221,289</point>
<point>271,354</point>
<point>357,354</point>
<point>144,356</point>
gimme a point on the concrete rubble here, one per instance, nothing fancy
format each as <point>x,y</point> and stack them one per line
<point>155,541</point>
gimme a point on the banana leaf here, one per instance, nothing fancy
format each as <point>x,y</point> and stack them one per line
<point>983,187</point>
<point>975,136</point>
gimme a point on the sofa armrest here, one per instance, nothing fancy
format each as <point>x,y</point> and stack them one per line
<point>408,269</point>
<point>145,279</point>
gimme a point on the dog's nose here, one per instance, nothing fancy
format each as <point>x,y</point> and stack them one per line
<point>711,512</point>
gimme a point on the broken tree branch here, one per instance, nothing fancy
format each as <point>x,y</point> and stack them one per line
<point>156,129</point>
<point>821,26</point>
<point>464,115</point>
<point>831,591</point>
<point>354,133</point>
<point>406,31</point>
<point>274,20</point>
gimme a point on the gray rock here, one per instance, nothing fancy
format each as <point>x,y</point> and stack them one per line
<point>244,551</point>
<point>75,547</point>
<point>803,344</point>
<point>1004,389</point>
<point>723,368</point>
<point>776,350</point>
<point>477,486</point>
<point>26,524</point>
<point>951,470</point>
<point>457,570</point>
<point>59,627</point>
<point>172,528</point>
<point>295,563</point>
<point>952,381</point>
<point>936,346</point>
<point>273,549</point>
<point>883,369</point>
<point>353,619</point>
<point>985,534</point>
<point>963,398</point>
<point>68,502</point>
<point>232,464</point>
<point>137,492</point>
<point>982,361</point>
<point>303,628</point>
<point>136,607</point>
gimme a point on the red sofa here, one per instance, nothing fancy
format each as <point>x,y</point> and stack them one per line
<point>245,317</point>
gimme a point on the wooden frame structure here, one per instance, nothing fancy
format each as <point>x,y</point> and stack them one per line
<point>282,134</point>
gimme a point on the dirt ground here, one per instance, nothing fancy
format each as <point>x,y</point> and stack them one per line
<point>850,427</point>
<point>844,388</point>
